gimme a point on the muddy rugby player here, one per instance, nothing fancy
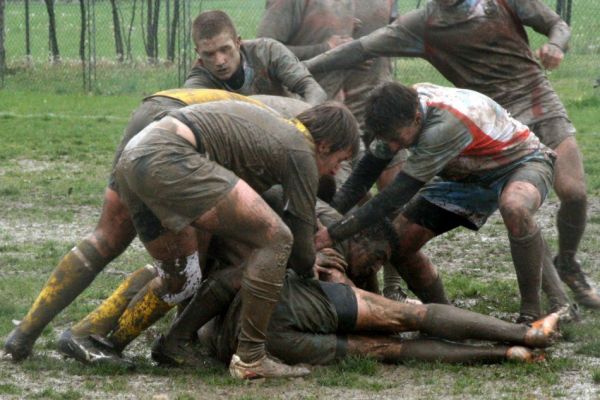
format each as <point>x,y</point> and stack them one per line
<point>468,158</point>
<point>483,46</point>
<point>258,66</point>
<point>267,69</point>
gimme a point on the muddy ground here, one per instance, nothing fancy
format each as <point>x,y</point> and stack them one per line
<point>47,375</point>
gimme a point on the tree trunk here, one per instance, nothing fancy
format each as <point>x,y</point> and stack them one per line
<point>82,31</point>
<point>152,14</point>
<point>2,49</point>
<point>131,21</point>
<point>52,31</point>
<point>117,30</point>
<point>27,31</point>
<point>173,32</point>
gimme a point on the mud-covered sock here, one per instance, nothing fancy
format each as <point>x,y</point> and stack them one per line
<point>570,221</point>
<point>104,318</point>
<point>527,252</point>
<point>212,298</point>
<point>551,283</point>
<point>144,310</point>
<point>453,323</point>
<point>75,271</point>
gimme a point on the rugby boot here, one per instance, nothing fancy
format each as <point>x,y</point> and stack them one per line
<point>523,354</point>
<point>567,313</point>
<point>265,367</point>
<point>543,332</point>
<point>87,350</point>
<point>105,317</point>
<point>19,344</point>
<point>74,273</point>
<point>182,353</point>
<point>570,272</point>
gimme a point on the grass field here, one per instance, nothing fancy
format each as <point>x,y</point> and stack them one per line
<point>56,150</point>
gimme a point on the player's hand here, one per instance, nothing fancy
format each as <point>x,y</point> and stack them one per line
<point>356,24</point>
<point>338,40</point>
<point>550,56</point>
<point>331,258</point>
<point>322,238</point>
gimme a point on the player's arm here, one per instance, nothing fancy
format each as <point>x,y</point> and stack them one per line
<point>359,183</point>
<point>403,38</point>
<point>544,20</point>
<point>286,67</point>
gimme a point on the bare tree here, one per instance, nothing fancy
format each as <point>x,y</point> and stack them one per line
<point>151,38</point>
<point>82,31</point>
<point>117,30</point>
<point>2,50</point>
<point>27,33</point>
<point>52,31</point>
<point>129,30</point>
<point>172,34</point>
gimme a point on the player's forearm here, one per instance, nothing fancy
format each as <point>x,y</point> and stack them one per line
<point>393,197</point>
<point>358,184</point>
<point>559,35</point>
<point>302,257</point>
<point>310,91</point>
<point>345,56</point>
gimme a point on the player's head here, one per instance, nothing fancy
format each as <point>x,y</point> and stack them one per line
<point>392,114</point>
<point>335,132</point>
<point>217,43</point>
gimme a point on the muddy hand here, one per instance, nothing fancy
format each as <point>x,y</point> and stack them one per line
<point>322,239</point>
<point>330,258</point>
<point>338,40</point>
<point>550,55</point>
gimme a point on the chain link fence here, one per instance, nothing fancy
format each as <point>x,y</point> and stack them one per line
<point>140,46</point>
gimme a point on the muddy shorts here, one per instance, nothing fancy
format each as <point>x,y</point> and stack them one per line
<point>151,109</point>
<point>167,183</point>
<point>305,325</point>
<point>442,205</point>
<point>552,132</point>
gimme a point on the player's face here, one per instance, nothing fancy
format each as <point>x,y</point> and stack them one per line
<point>367,256</point>
<point>406,135</point>
<point>220,55</point>
<point>328,163</point>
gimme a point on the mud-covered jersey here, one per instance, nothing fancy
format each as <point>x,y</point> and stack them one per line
<point>159,104</point>
<point>464,134</point>
<point>260,147</point>
<point>269,68</point>
<point>305,26</point>
<point>373,15</point>
<point>482,45</point>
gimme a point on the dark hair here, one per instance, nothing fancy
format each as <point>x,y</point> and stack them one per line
<point>333,123</point>
<point>389,106</point>
<point>212,23</point>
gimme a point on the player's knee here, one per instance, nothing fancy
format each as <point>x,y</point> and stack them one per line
<point>518,218</point>
<point>280,235</point>
<point>180,278</point>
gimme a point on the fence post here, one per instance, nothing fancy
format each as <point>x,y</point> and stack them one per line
<point>2,49</point>
<point>564,8</point>
<point>52,40</point>
<point>27,35</point>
